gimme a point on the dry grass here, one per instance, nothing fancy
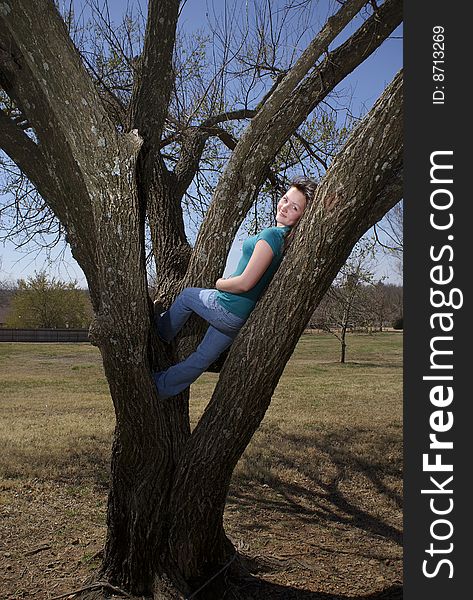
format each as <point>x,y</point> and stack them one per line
<point>57,417</point>
<point>316,496</point>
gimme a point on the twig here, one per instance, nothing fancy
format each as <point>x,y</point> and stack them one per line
<point>38,549</point>
<point>94,586</point>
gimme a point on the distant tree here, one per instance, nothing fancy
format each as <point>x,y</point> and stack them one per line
<point>395,296</point>
<point>346,300</point>
<point>377,305</point>
<point>392,228</point>
<point>6,293</point>
<point>42,302</point>
<point>384,302</point>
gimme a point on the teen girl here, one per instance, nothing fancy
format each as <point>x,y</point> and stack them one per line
<point>227,307</point>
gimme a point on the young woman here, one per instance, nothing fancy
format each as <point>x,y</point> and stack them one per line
<point>227,307</point>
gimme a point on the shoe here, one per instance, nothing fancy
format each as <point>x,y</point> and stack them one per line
<point>156,377</point>
<point>159,311</point>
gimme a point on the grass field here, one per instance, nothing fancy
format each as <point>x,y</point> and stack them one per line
<point>315,499</point>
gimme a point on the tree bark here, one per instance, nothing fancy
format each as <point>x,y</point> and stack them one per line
<point>344,347</point>
<point>96,198</point>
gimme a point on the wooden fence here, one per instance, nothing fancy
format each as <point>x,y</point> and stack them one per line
<point>43,335</point>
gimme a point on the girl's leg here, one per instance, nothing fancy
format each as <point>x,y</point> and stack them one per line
<point>178,377</point>
<point>174,319</point>
<point>204,303</point>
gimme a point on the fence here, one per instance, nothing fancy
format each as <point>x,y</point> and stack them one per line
<point>43,335</point>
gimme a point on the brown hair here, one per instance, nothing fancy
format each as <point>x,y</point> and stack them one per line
<point>307,186</point>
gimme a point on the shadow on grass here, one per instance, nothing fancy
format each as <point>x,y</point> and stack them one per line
<point>303,475</point>
<point>265,590</point>
<point>371,365</point>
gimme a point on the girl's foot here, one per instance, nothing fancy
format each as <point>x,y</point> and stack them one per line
<point>159,310</point>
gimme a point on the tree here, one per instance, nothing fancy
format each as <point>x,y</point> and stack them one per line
<point>392,226</point>
<point>345,303</point>
<point>103,180</point>
<point>6,294</point>
<point>42,302</point>
<point>384,304</point>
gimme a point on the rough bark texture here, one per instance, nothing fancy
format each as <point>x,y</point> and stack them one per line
<point>169,487</point>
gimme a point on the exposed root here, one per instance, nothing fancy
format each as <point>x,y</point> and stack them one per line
<point>99,586</point>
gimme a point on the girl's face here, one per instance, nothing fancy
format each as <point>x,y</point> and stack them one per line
<point>290,207</point>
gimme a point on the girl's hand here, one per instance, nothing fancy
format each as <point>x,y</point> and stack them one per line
<point>218,282</point>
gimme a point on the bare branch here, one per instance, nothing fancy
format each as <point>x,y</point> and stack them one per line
<point>310,151</point>
<point>26,154</point>
<point>229,116</point>
<point>155,75</point>
<point>273,125</point>
<point>118,112</point>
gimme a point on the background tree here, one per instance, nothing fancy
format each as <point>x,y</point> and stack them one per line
<point>40,302</point>
<point>384,304</point>
<point>395,301</point>
<point>6,294</point>
<point>378,305</point>
<point>102,164</point>
<point>390,234</point>
<point>345,304</point>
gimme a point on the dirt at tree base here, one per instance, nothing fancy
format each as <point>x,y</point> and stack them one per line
<point>301,546</point>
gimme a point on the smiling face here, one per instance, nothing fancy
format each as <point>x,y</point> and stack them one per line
<point>290,207</point>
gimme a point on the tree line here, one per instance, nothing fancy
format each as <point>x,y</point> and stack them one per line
<point>44,302</point>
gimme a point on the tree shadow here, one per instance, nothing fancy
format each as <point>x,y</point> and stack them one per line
<point>321,500</point>
<point>320,497</point>
<point>373,365</point>
<point>259,589</point>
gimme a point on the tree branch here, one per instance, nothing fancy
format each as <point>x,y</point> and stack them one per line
<point>28,156</point>
<point>244,113</point>
<point>272,126</point>
<point>149,109</point>
<point>92,163</point>
<point>155,77</point>
<point>117,110</point>
<point>225,215</point>
<point>47,80</point>
<point>309,150</point>
<point>42,72</point>
<point>193,144</point>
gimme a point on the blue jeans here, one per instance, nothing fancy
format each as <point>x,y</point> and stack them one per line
<point>223,329</point>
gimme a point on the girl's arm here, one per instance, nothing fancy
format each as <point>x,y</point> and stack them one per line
<point>260,260</point>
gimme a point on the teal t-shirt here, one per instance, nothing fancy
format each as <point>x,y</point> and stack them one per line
<point>242,304</point>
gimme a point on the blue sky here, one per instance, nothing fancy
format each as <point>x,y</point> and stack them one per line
<point>365,85</point>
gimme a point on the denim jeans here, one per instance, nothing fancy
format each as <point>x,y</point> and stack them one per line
<point>223,329</point>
